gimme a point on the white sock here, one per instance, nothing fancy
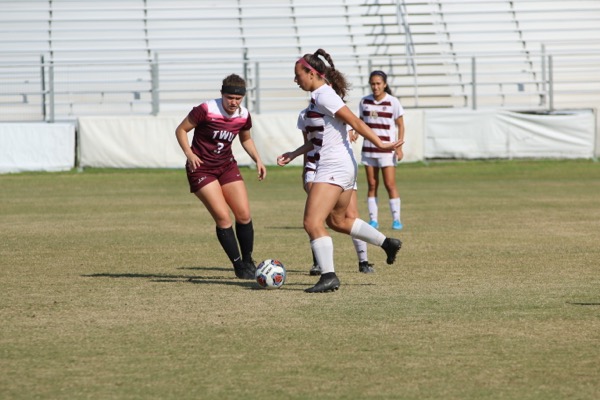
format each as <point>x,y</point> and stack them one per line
<point>363,231</point>
<point>395,208</point>
<point>323,249</point>
<point>361,249</point>
<point>372,206</point>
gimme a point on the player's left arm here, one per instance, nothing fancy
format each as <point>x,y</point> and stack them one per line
<point>363,129</point>
<point>250,148</point>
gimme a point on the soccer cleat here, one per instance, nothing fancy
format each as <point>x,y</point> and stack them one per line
<point>315,270</point>
<point>365,267</point>
<point>329,283</point>
<point>251,266</point>
<point>397,225</point>
<point>392,247</point>
<point>245,270</point>
<point>374,224</point>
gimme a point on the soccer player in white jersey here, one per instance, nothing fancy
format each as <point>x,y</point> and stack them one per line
<point>335,175</point>
<point>213,173</point>
<point>314,133</point>
<point>383,113</point>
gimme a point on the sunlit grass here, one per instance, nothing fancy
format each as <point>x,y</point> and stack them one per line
<point>114,286</point>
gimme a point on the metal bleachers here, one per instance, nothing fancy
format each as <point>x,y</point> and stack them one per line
<point>63,58</point>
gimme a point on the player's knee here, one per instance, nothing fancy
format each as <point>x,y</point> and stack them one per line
<point>337,223</point>
<point>312,227</point>
<point>222,220</point>
<point>243,219</point>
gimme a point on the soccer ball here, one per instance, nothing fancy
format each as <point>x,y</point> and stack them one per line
<point>270,274</point>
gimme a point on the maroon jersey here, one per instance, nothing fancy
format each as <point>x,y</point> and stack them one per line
<point>215,131</point>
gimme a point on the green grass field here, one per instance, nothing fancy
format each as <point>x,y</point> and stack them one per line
<point>113,286</point>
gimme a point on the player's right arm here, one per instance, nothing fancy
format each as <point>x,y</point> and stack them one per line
<point>305,157</point>
<point>400,129</point>
<point>182,138</point>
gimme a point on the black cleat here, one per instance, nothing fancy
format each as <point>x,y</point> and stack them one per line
<point>245,270</point>
<point>365,267</point>
<point>315,270</point>
<point>250,266</point>
<point>392,247</point>
<point>325,284</point>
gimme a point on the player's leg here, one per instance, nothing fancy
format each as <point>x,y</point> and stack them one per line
<point>236,196</point>
<point>372,174</point>
<point>359,245</point>
<point>389,180</point>
<point>308,177</point>
<point>321,200</point>
<point>211,195</point>
<point>359,229</point>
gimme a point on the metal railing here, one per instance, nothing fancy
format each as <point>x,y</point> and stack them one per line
<point>50,91</point>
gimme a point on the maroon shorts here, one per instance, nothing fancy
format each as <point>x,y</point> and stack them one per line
<point>203,176</point>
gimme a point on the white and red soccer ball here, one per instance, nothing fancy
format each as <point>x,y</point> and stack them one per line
<point>270,274</point>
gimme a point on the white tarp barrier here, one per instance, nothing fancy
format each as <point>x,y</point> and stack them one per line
<point>129,142</point>
<point>414,144</point>
<point>505,134</point>
<point>36,147</point>
<point>149,142</point>
<point>273,135</point>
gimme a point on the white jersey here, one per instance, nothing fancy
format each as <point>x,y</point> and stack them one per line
<point>312,135</point>
<point>381,117</point>
<point>332,154</point>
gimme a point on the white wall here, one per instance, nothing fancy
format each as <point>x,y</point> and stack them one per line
<point>505,134</point>
<point>149,142</point>
<point>36,147</point>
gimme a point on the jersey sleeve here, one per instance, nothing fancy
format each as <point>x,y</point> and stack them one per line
<point>398,109</point>
<point>360,108</point>
<point>248,125</point>
<point>300,123</point>
<point>330,102</point>
<point>198,114</point>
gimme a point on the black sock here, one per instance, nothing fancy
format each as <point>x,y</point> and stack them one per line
<point>245,236</point>
<point>314,259</point>
<point>227,239</point>
<point>328,275</point>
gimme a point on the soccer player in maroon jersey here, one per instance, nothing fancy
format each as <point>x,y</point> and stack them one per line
<point>213,173</point>
<point>383,113</point>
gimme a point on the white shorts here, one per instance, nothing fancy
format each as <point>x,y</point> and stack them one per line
<point>386,160</point>
<point>309,177</point>
<point>342,175</point>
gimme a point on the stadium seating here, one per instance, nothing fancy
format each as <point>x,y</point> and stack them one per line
<point>63,59</point>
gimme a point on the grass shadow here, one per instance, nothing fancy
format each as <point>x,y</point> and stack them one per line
<point>170,278</point>
<point>295,271</point>
<point>207,280</point>
<point>285,227</point>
